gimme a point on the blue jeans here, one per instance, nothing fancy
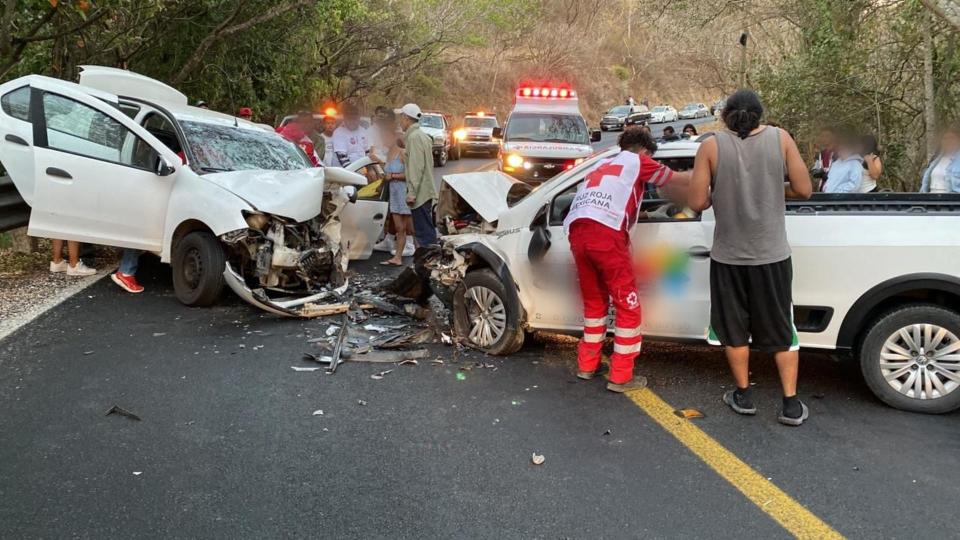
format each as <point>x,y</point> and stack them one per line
<point>130,261</point>
<point>424,229</point>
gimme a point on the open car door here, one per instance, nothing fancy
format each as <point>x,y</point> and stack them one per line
<point>99,177</point>
<point>362,221</point>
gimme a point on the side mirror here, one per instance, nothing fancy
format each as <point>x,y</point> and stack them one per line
<point>497,133</point>
<point>540,239</point>
<point>351,192</point>
<point>164,168</point>
<point>594,135</point>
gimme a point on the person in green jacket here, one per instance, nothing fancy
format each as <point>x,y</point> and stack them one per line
<point>421,190</point>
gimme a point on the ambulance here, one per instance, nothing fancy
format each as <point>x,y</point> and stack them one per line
<point>544,135</point>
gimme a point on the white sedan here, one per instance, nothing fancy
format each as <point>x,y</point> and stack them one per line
<point>663,113</point>
<point>223,200</point>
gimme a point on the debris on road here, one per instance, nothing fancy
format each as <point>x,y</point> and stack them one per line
<point>461,376</point>
<point>298,368</point>
<point>390,357</point>
<point>318,412</point>
<point>361,402</point>
<point>311,310</point>
<point>137,473</point>
<point>689,413</point>
<point>375,328</point>
<point>537,459</point>
<point>338,347</point>
<point>379,375</point>
<point>122,412</point>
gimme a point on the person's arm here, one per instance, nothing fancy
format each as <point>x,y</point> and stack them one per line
<point>798,185</point>
<point>874,166</point>
<point>699,197</point>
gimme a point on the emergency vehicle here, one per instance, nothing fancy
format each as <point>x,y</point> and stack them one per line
<point>476,135</point>
<point>545,134</point>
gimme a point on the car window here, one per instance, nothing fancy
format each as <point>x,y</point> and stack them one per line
<point>80,129</point>
<point>543,127</point>
<point>431,121</point>
<point>16,103</point>
<point>480,121</point>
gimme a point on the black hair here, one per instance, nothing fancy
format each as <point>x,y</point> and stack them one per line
<point>742,112</point>
<point>691,126</point>
<point>635,138</point>
<point>382,110</point>
<point>670,128</point>
<point>869,145</point>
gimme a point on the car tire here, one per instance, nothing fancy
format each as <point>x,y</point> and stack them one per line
<point>602,128</point>
<point>455,153</point>
<point>198,263</point>
<point>484,316</point>
<point>884,338</point>
<point>441,159</point>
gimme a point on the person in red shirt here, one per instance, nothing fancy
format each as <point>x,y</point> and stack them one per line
<point>602,212</point>
<point>295,134</point>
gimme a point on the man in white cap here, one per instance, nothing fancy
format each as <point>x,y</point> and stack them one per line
<point>421,190</point>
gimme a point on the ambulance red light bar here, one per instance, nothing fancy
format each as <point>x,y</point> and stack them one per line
<point>549,92</point>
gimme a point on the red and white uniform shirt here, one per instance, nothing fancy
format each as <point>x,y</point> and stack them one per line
<point>613,190</point>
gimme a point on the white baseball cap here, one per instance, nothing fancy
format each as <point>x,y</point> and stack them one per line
<point>410,109</point>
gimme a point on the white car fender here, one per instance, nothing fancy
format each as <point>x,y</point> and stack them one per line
<point>205,202</point>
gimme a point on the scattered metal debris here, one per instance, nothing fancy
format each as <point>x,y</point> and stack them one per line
<point>298,368</point>
<point>338,347</point>
<point>122,412</point>
<point>361,402</point>
<point>410,361</point>
<point>375,328</point>
<point>537,459</point>
<point>390,357</point>
<point>158,334</point>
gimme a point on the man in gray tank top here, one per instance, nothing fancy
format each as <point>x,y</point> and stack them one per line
<point>745,172</point>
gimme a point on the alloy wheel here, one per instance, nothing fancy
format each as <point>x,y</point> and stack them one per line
<point>921,361</point>
<point>487,316</point>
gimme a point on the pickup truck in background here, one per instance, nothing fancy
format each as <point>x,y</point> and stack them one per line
<point>876,276</point>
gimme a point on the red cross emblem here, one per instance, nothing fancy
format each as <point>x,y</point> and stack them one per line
<point>607,169</point>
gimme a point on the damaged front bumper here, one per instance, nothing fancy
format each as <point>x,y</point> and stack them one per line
<point>303,306</point>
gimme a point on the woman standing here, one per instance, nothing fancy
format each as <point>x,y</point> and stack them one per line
<point>394,170</point>
<point>943,173</point>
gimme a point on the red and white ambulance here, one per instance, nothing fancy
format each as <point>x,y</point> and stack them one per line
<point>544,135</point>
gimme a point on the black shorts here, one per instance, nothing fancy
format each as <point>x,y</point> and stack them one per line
<point>752,305</point>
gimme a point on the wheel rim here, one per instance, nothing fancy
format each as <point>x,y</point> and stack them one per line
<point>192,268</point>
<point>487,316</point>
<point>921,361</point>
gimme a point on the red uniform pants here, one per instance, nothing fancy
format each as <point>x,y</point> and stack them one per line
<point>605,272</point>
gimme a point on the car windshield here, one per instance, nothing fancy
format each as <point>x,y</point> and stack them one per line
<point>431,121</point>
<point>219,148</point>
<point>536,127</point>
<point>689,106</point>
<point>480,122</point>
<point>660,109</point>
<point>622,109</point>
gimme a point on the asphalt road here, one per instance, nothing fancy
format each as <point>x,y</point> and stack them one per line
<point>229,445</point>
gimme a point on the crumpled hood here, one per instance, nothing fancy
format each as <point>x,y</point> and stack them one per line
<point>487,192</point>
<point>297,195</point>
<point>549,149</point>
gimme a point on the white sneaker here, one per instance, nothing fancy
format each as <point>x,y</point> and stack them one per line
<point>409,248</point>
<point>80,270</point>
<point>56,268</point>
<point>385,245</point>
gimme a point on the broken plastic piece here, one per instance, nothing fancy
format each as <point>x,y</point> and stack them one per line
<point>389,357</point>
<point>318,412</point>
<point>378,376</point>
<point>298,368</point>
<point>361,402</point>
<point>375,328</point>
<point>122,412</point>
<point>537,459</point>
<point>689,413</point>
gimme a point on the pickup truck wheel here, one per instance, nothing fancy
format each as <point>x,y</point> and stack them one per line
<point>198,263</point>
<point>910,359</point>
<point>483,316</point>
<point>440,159</point>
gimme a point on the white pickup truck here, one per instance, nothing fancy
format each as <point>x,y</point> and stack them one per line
<point>875,275</point>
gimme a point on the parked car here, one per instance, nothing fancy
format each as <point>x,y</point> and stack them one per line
<point>694,111</point>
<point>476,135</point>
<point>663,113</point>
<point>222,200</point>
<point>437,126</point>
<point>616,118</point>
<point>875,275</point>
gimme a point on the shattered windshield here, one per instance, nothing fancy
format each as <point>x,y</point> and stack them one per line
<point>561,128</point>
<point>219,148</point>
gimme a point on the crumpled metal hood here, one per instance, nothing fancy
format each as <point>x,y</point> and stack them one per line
<point>487,192</point>
<point>297,195</point>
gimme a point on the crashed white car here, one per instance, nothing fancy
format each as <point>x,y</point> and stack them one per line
<point>875,275</point>
<point>122,160</point>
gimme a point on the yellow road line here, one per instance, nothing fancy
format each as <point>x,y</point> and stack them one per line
<point>790,514</point>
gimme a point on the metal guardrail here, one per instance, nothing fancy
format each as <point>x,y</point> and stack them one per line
<point>14,212</point>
